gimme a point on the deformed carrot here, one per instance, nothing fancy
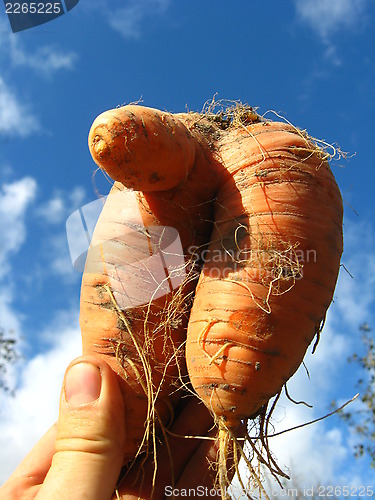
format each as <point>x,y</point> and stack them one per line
<point>259,217</point>
<point>278,230</point>
<point>138,282</point>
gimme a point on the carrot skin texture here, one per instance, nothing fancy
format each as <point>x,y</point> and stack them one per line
<point>254,316</point>
<point>114,254</point>
<point>135,145</point>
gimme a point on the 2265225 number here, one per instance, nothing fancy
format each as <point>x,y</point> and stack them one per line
<point>33,8</point>
<point>345,491</point>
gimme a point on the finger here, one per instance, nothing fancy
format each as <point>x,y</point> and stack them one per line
<point>199,472</point>
<point>192,430</point>
<point>32,471</point>
<point>90,434</point>
<point>184,439</point>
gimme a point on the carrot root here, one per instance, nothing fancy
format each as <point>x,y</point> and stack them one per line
<point>254,197</point>
<point>224,444</point>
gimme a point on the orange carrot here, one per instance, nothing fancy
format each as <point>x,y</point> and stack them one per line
<point>278,230</point>
<point>136,146</point>
<point>256,204</point>
<point>278,234</point>
<point>132,312</point>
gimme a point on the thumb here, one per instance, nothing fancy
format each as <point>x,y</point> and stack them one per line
<point>90,434</point>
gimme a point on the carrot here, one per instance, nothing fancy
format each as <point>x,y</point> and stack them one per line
<point>279,239</point>
<point>137,148</point>
<point>115,328</point>
<point>259,216</point>
<point>132,312</point>
<point>278,232</point>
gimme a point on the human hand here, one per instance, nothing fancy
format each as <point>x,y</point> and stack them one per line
<point>185,463</point>
<point>82,454</point>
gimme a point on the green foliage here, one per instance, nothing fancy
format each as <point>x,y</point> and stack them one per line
<point>8,355</point>
<point>362,420</point>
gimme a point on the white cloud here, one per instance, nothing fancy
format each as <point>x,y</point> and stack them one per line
<point>76,198</point>
<point>60,262</point>
<point>58,208</point>
<point>356,296</point>
<point>311,455</point>
<point>128,20</point>
<point>9,321</point>
<point>44,60</point>
<point>15,199</point>
<point>317,454</point>
<point>15,117</point>
<point>55,211</point>
<point>326,17</point>
<point>25,417</point>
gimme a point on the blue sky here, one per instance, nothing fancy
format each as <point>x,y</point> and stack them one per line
<point>311,61</point>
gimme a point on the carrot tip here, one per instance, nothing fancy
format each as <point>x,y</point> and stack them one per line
<point>100,147</point>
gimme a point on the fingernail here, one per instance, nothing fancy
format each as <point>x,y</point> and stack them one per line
<point>83,383</point>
